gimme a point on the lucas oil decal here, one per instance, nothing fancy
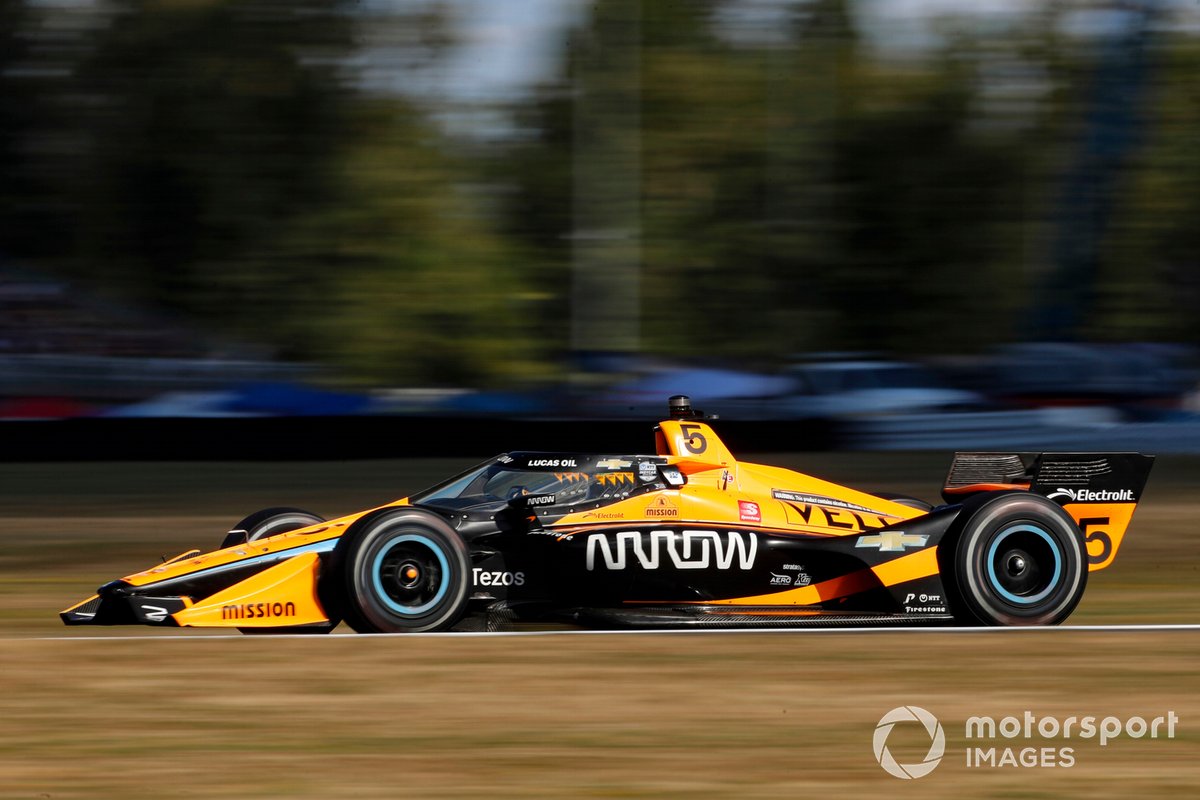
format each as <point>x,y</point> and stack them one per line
<point>551,462</point>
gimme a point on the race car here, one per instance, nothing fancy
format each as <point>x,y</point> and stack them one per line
<point>687,537</point>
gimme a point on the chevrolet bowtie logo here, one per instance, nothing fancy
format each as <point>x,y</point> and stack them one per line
<point>892,541</point>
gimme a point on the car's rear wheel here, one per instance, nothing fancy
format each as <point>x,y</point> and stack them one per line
<point>399,571</point>
<point>271,522</point>
<point>906,500</point>
<point>1015,559</point>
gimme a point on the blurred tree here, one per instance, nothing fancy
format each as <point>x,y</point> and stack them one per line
<point>228,164</point>
<point>14,105</point>
<point>208,124</point>
<point>797,194</point>
<point>402,276</point>
<point>30,206</point>
<point>1149,286</point>
<point>234,161</point>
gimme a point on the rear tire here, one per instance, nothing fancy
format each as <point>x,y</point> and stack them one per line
<point>1014,559</point>
<point>906,500</point>
<point>399,570</point>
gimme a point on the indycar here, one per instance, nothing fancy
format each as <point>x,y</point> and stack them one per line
<point>687,537</point>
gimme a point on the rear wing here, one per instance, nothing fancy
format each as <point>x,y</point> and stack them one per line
<point>1098,490</point>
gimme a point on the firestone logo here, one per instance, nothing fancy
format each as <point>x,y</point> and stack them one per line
<point>937,742</point>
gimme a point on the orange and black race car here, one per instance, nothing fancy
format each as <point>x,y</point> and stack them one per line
<point>688,537</point>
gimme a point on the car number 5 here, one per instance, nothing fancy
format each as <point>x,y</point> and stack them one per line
<point>693,439</point>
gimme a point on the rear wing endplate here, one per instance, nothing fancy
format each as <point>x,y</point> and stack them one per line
<point>1098,490</point>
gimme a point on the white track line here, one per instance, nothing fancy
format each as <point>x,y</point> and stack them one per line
<point>676,632</point>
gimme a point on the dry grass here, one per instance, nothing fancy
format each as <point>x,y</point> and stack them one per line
<point>621,716</point>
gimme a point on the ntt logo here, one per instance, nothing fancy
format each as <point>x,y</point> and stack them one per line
<point>937,742</point>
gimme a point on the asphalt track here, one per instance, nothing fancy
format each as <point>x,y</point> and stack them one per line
<point>1012,631</point>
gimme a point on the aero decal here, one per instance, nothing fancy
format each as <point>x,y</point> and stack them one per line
<point>921,564</point>
<point>687,550</point>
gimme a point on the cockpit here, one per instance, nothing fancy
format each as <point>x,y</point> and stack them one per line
<point>540,480</point>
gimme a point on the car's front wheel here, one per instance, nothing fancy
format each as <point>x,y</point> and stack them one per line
<point>269,522</point>
<point>399,570</point>
<point>272,522</point>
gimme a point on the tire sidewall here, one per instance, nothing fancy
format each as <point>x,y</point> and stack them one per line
<point>358,556</point>
<point>985,527</point>
<point>270,522</point>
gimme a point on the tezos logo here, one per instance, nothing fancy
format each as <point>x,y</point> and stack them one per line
<point>482,577</point>
<point>937,745</point>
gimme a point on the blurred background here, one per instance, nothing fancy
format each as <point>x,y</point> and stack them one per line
<point>295,230</point>
<point>926,223</point>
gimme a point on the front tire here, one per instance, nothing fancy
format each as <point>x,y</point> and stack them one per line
<point>399,570</point>
<point>1018,559</point>
<point>271,522</point>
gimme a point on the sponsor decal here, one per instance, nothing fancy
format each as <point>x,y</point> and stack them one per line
<point>258,610</point>
<point>155,613</point>
<point>647,471</point>
<point>613,463</point>
<point>819,500</point>
<point>614,478</point>
<point>673,476</point>
<point>892,541</point>
<point>681,550</point>
<point>930,604</point>
<point>1092,495</point>
<point>726,477</point>
<point>801,578</point>
<point>505,459</point>
<point>540,499</point>
<point>482,577</point>
<point>813,516</point>
<point>551,462</point>
<point>662,506</point>
<point>749,511</point>
<point>604,515</point>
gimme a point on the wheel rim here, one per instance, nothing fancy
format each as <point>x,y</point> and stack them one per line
<point>410,574</point>
<point>1024,564</point>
